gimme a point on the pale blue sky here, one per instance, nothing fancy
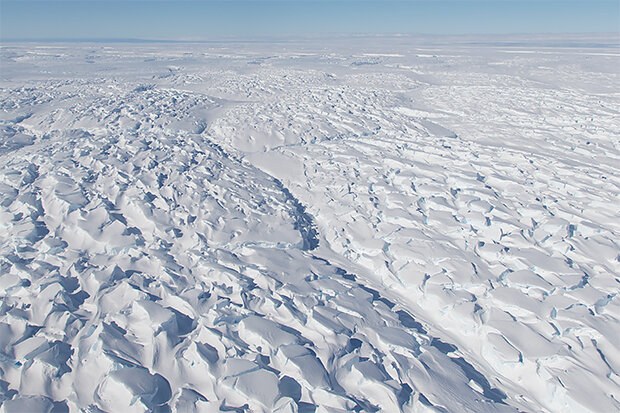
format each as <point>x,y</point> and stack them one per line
<point>211,20</point>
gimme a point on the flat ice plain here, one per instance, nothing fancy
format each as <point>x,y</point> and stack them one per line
<point>360,224</point>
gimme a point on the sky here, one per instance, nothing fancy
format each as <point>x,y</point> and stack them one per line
<point>213,20</point>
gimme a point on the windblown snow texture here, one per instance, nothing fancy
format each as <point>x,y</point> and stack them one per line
<point>384,225</point>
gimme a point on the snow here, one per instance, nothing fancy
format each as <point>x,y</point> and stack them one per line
<point>395,224</point>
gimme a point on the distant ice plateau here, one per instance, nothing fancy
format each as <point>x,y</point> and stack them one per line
<point>370,224</point>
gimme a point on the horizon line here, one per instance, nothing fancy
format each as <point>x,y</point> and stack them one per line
<point>283,38</point>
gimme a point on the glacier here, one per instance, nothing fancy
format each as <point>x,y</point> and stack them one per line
<point>382,223</point>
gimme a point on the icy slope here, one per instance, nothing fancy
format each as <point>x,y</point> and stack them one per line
<point>194,227</point>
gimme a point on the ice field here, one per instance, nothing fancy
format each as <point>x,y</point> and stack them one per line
<point>356,224</point>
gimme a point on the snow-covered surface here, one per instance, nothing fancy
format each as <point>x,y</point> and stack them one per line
<point>396,224</point>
